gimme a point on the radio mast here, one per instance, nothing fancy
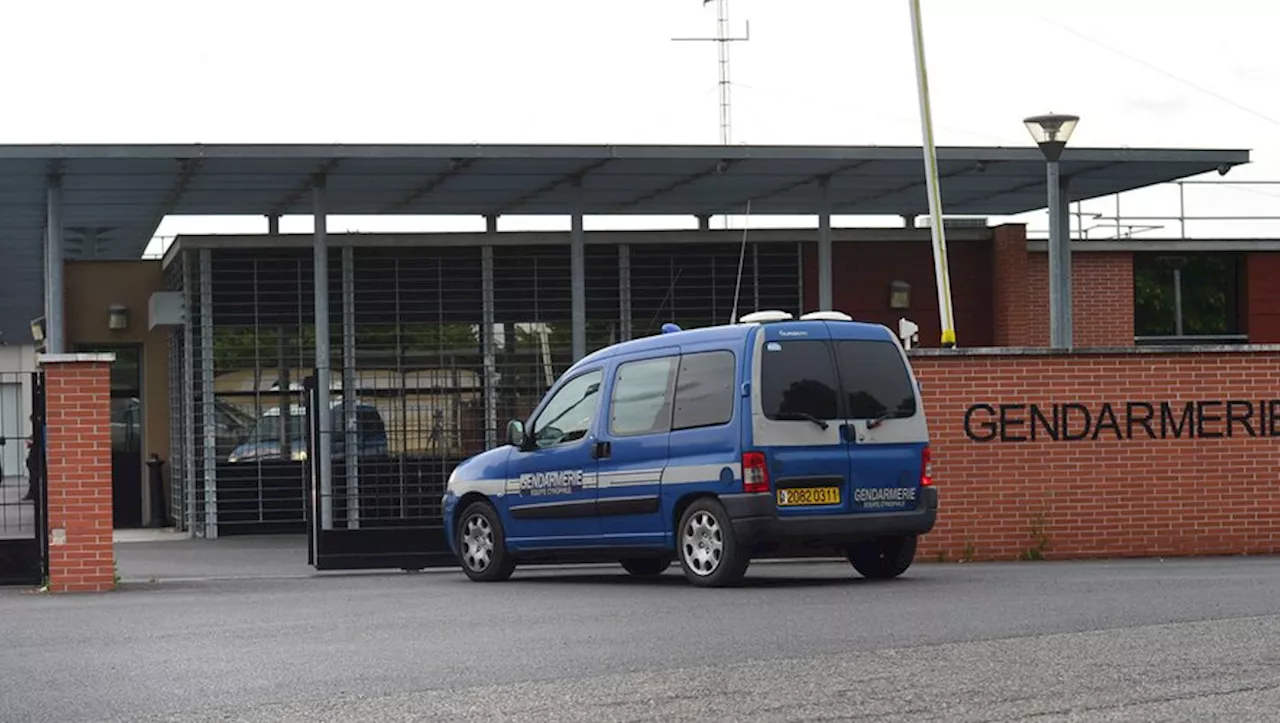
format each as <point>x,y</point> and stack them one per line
<point>722,40</point>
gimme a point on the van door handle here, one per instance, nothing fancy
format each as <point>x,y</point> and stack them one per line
<point>601,450</point>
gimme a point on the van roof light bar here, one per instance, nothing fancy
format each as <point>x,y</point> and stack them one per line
<point>826,316</point>
<point>764,317</point>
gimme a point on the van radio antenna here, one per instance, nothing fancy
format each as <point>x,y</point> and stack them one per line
<point>742,256</point>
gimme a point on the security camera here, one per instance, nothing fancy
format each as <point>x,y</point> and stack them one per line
<point>908,332</point>
<point>1224,169</point>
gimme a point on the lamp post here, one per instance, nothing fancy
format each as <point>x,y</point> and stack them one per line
<point>1051,132</point>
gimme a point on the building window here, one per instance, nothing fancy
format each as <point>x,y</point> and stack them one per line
<point>1187,298</point>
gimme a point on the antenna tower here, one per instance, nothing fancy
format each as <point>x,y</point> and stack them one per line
<point>722,40</point>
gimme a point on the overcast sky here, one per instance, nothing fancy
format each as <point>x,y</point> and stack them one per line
<point>1139,72</point>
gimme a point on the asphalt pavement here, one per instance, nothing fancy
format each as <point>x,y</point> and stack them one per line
<point>1129,640</point>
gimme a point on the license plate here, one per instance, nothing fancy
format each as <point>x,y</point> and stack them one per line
<point>801,496</point>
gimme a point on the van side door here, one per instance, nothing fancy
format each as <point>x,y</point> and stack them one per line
<point>705,448</point>
<point>633,448</point>
<point>551,489</point>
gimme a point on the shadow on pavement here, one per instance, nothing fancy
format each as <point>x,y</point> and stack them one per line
<point>181,558</point>
<point>760,578</point>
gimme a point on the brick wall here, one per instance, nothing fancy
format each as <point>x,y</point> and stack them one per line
<point>1202,494</point>
<point>863,270</point>
<point>78,472</point>
<point>1101,299</point>
<point>1262,297</point>
<point>999,289</point>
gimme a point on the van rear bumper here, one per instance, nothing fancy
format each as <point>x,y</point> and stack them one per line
<point>756,522</point>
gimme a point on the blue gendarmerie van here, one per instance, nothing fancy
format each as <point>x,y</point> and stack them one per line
<point>771,437</point>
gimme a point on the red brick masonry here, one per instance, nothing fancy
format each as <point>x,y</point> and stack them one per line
<point>1108,453</point>
<point>78,454</point>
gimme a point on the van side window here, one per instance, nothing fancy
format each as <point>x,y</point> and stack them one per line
<point>568,415</point>
<point>875,380</point>
<point>641,401</point>
<point>798,379</point>
<point>704,390</point>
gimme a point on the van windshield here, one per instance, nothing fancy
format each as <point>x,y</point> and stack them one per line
<point>799,379</point>
<point>267,428</point>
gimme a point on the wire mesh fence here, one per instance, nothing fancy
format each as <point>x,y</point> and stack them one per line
<point>432,350</point>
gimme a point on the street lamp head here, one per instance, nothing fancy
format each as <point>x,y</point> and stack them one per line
<point>1051,132</point>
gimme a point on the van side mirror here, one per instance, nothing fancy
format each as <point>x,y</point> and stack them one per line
<point>515,433</point>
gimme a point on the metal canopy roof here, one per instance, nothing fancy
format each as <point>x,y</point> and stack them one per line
<point>114,196</point>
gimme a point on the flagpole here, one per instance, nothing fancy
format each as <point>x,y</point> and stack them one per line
<point>937,233</point>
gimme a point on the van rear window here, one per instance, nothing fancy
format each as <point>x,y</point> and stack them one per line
<point>799,379</point>
<point>875,379</point>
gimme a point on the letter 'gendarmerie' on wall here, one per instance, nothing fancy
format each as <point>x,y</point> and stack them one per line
<point>1072,421</point>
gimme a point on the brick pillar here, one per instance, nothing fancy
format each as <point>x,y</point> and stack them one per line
<point>1009,271</point>
<point>78,471</point>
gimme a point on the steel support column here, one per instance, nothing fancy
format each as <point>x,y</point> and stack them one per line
<point>487,336</point>
<point>350,388</point>
<point>54,302</point>
<point>208,416</point>
<point>578,279</point>
<point>624,290</point>
<point>1060,322</point>
<point>704,223</point>
<point>188,399</point>
<point>324,456</point>
<point>825,301</point>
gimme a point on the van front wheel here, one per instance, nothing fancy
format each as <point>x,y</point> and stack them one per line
<point>883,558</point>
<point>482,544</point>
<point>709,552</point>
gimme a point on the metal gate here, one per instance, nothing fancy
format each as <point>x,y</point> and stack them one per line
<point>431,348</point>
<point>24,556</point>
<point>374,510</point>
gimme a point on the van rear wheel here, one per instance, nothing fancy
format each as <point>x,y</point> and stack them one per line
<point>482,544</point>
<point>883,558</point>
<point>710,555</point>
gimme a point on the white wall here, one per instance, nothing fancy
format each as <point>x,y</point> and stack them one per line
<point>15,358</point>
<point>16,365</point>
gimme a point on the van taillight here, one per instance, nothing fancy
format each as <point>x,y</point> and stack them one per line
<point>926,468</point>
<point>755,472</point>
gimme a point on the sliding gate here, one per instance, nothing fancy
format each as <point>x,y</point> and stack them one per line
<point>376,510</point>
<point>23,535</point>
<point>432,347</point>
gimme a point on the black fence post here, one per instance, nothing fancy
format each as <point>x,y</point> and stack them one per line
<point>155,477</point>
